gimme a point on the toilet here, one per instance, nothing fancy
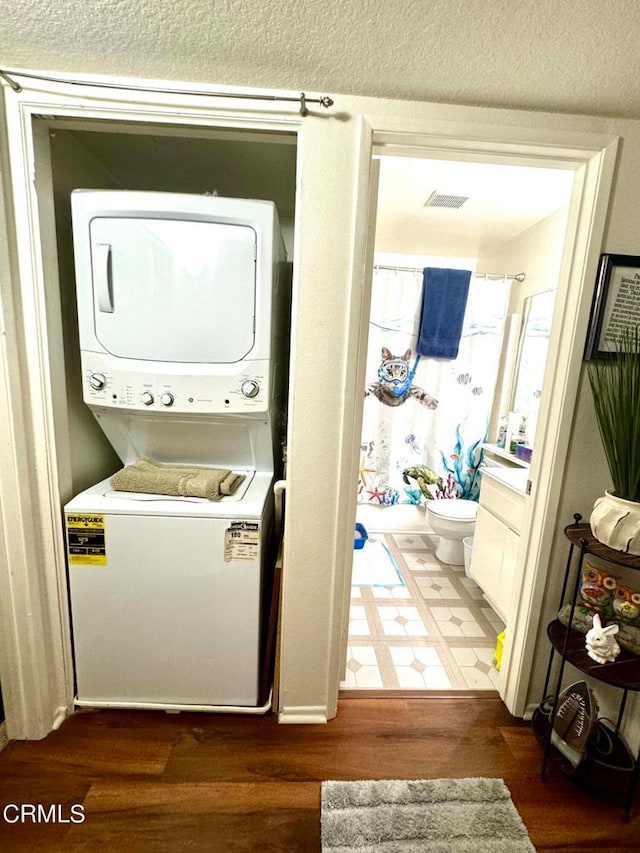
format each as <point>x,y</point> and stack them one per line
<point>452,520</point>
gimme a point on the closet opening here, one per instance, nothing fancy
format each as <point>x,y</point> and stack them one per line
<point>428,617</point>
<point>95,154</point>
<point>236,164</point>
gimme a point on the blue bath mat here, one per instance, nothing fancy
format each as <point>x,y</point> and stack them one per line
<point>375,565</point>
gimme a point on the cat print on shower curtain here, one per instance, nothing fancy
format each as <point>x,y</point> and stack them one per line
<point>395,385</point>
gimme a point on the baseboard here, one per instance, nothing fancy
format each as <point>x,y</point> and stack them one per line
<point>304,715</point>
<point>4,740</point>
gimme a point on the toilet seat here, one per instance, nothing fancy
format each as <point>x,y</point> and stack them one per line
<point>455,509</point>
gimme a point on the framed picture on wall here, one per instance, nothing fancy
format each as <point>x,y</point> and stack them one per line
<point>616,304</point>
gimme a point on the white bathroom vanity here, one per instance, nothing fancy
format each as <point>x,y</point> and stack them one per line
<point>496,538</point>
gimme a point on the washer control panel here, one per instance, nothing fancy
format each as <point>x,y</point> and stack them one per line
<point>245,390</point>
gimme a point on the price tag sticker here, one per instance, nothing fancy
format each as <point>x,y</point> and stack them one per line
<point>242,541</point>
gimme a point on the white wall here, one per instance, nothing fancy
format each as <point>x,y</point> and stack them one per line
<point>537,252</point>
<point>326,392</point>
<point>318,551</point>
<point>91,456</point>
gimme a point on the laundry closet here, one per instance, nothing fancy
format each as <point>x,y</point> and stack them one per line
<point>142,633</point>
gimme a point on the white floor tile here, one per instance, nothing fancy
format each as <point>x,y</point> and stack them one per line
<point>401,655</point>
<point>365,655</point>
<point>422,562</point>
<point>436,589</point>
<point>436,678</point>
<point>462,613</point>
<point>464,657</point>
<point>472,588</point>
<point>349,681</point>
<point>409,677</point>
<point>368,677</point>
<point>410,540</point>
<point>476,667</point>
<point>448,629</point>
<point>400,617</point>
<point>426,655</point>
<point>471,629</point>
<point>396,592</point>
<point>393,629</point>
<point>477,680</point>
<point>416,628</point>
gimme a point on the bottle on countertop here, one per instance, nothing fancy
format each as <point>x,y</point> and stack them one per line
<point>520,437</point>
<point>502,432</point>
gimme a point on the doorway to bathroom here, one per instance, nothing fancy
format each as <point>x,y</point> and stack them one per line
<point>431,425</point>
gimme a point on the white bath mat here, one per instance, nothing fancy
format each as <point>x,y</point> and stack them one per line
<point>421,816</point>
<point>375,565</point>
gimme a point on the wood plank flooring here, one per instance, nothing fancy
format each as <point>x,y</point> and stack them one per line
<point>154,782</point>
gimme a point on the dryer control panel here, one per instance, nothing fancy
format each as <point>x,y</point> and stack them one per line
<point>245,388</point>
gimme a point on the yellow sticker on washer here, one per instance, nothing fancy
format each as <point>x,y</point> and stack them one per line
<point>86,543</point>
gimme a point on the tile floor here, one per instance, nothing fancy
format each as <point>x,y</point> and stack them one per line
<point>435,633</point>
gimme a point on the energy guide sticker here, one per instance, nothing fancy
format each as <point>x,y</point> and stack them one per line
<point>241,541</point>
<point>86,543</point>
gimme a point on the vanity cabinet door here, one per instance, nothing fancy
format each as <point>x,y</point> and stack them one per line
<point>493,560</point>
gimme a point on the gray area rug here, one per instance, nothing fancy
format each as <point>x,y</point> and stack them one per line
<point>421,816</point>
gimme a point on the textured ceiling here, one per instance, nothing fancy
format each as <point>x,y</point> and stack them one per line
<point>575,56</point>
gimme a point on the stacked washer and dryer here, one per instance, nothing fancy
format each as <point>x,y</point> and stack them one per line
<point>182,303</point>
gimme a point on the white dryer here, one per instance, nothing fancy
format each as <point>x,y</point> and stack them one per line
<point>180,309</point>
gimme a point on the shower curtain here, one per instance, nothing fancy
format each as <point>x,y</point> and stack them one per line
<point>428,443</point>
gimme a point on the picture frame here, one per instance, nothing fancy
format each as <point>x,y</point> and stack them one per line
<point>616,304</point>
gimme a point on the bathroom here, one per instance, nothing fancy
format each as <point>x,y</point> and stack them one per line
<point>417,622</point>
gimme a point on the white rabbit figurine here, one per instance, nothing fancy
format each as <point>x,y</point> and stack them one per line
<point>601,644</point>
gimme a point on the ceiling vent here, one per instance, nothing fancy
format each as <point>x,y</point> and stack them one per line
<point>437,199</point>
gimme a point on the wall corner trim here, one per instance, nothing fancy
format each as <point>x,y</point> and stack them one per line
<point>304,714</point>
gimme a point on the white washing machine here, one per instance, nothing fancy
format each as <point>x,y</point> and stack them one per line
<point>167,597</point>
<point>182,350</point>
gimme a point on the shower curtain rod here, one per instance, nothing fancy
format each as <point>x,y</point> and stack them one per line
<point>520,276</point>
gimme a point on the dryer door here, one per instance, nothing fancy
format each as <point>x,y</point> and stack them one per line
<point>173,290</point>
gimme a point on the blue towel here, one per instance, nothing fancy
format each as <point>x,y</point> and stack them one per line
<point>444,299</point>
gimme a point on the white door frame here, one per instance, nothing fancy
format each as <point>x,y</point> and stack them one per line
<point>592,158</point>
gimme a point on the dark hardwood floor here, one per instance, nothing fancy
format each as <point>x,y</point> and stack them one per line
<point>156,782</point>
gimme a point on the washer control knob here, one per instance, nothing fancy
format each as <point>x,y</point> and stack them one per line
<point>250,388</point>
<point>97,381</point>
<point>167,399</point>
<point>147,398</point>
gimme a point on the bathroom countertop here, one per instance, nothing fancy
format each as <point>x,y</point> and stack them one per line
<point>513,478</point>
